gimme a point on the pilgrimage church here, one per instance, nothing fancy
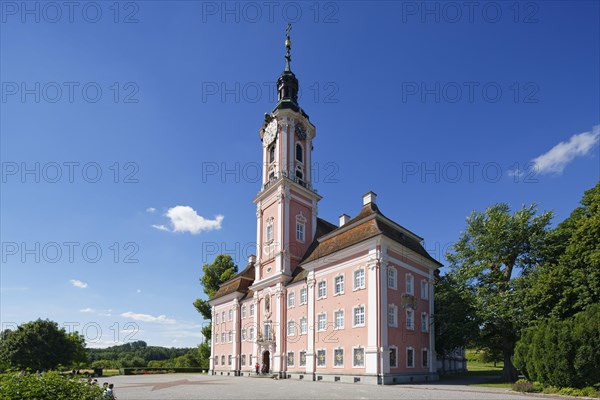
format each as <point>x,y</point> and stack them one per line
<point>348,302</point>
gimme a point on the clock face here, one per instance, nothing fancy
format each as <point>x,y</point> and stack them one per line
<point>270,132</point>
<point>301,131</point>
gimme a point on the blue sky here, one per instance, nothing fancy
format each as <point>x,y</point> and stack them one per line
<point>138,125</point>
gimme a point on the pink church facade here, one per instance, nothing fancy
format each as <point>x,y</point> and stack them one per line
<point>351,302</point>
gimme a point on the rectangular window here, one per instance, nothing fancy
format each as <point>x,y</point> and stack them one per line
<point>321,358</point>
<point>229,360</point>
<point>291,328</point>
<point>243,359</point>
<point>358,357</point>
<point>291,299</point>
<point>243,334</point>
<point>290,359</point>
<point>269,229</point>
<point>392,315</point>
<point>300,231</point>
<point>392,278</point>
<point>230,336</point>
<point>393,357</point>
<point>243,311</point>
<point>410,284</point>
<point>410,319</point>
<point>321,322</point>
<point>216,360</point>
<point>223,360</point>
<point>216,318</point>
<point>230,315</point>
<point>267,331</point>
<point>339,284</point>
<point>322,289</point>
<point>359,316</point>
<point>217,338</point>
<point>303,296</point>
<point>222,337</point>
<point>339,319</point>
<point>410,357</point>
<point>425,358</point>
<point>338,357</point>
<point>223,316</point>
<point>252,310</point>
<point>424,322</point>
<point>303,359</point>
<point>303,326</point>
<point>424,290</point>
<point>359,279</point>
<point>250,360</point>
<point>251,333</point>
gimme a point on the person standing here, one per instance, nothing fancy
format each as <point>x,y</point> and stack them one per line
<point>257,366</point>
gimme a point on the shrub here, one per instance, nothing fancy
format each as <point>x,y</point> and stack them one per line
<point>47,386</point>
<point>523,386</point>
<point>562,353</point>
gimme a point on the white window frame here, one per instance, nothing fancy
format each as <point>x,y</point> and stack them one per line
<point>230,336</point>
<point>291,328</point>
<point>392,315</point>
<point>243,334</point>
<point>303,296</point>
<point>216,359</point>
<point>410,319</point>
<point>300,364</point>
<point>354,365</point>
<point>426,358</point>
<point>300,231</point>
<point>251,333</point>
<point>392,278</point>
<point>303,326</point>
<point>216,337</point>
<point>223,359</point>
<point>230,314</point>
<point>243,360</point>
<point>324,284</point>
<point>424,322</point>
<point>296,153</point>
<point>335,319</point>
<point>324,328</point>
<point>339,285</point>
<point>216,318</point>
<point>324,358</point>
<point>244,311</point>
<point>335,364</point>
<point>410,349</point>
<point>229,359</point>
<point>252,310</point>
<point>410,284</point>
<point>361,286</point>
<point>222,316</point>
<point>364,315</point>
<point>390,356</point>
<point>270,229</point>
<point>223,337</point>
<point>291,299</point>
<point>287,359</point>
<point>424,289</point>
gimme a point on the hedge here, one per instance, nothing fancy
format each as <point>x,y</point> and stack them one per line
<point>562,353</point>
<point>158,370</point>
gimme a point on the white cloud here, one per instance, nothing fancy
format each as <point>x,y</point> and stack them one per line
<point>151,210</point>
<point>557,158</point>
<point>78,284</point>
<point>139,291</point>
<point>87,310</point>
<point>186,219</point>
<point>102,313</point>
<point>161,319</point>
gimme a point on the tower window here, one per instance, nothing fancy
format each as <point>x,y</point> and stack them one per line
<point>271,154</point>
<point>300,231</point>
<point>269,229</point>
<point>299,153</point>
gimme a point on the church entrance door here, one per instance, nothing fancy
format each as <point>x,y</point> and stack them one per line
<point>266,362</point>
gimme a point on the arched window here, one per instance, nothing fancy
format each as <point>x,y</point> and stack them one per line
<point>299,153</point>
<point>271,154</point>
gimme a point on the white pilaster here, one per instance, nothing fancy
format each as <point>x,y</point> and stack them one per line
<point>277,330</point>
<point>212,342</point>
<point>310,342</point>
<point>235,350</point>
<point>372,350</point>
<point>432,355</point>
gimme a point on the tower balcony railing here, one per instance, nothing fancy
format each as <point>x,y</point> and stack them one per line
<point>274,178</point>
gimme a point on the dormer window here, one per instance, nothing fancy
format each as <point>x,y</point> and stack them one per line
<point>299,153</point>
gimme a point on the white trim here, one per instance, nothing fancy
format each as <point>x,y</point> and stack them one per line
<point>343,357</point>
<point>363,357</point>
<point>335,319</point>
<point>324,358</point>
<point>412,285</point>
<point>397,354</point>
<point>412,326</point>
<point>319,324</point>
<point>394,308</point>
<point>319,297</point>
<point>343,276</point>
<point>413,357</point>
<point>395,280</point>
<point>364,278</point>
<point>354,324</point>
<point>428,358</point>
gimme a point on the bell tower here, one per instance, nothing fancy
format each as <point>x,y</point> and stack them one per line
<point>286,205</point>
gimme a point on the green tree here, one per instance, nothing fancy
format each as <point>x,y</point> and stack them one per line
<point>214,274</point>
<point>493,245</point>
<point>39,345</point>
<point>455,322</point>
<point>204,355</point>
<point>47,386</point>
<point>568,280</point>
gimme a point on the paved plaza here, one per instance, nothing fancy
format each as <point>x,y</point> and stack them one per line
<point>196,386</point>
